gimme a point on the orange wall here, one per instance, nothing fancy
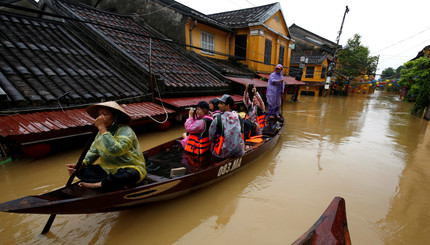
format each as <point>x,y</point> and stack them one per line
<point>274,29</point>
<point>221,39</point>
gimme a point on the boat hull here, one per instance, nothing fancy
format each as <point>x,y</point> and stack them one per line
<point>330,229</point>
<point>74,200</point>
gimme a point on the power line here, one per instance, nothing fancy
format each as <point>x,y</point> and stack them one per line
<point>402,40</point>
<point>397,55</point>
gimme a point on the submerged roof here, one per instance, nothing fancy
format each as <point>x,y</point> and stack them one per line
<point>42,64</point>
<point>48,125</point>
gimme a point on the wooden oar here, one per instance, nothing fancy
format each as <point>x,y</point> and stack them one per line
<point>69,182</point>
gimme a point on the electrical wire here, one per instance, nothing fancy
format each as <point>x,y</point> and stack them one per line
<point>402,40</point>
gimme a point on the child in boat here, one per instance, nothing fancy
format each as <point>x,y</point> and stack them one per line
<point>213,107</point>
<point>120,162</point>
<point>196,140</point>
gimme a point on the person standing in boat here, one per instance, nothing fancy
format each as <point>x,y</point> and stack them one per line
<point>213,107</point>
<point>226,131</point>
<point>115,160</point>
<point>275,88</point>
<point>196,140</point>
<point>255,108</point>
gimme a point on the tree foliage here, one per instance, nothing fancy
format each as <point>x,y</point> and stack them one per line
<point>416,77</point>
<point>355,60</point>
<point>390,73</point>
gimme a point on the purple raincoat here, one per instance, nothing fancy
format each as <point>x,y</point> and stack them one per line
<point>275,88</point>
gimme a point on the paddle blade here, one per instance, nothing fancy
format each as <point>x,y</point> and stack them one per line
<point>48,224</point>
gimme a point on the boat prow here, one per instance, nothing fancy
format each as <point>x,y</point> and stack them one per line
<point>330,229</point>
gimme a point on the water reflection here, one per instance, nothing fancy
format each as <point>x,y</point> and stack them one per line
<point>408,219</point>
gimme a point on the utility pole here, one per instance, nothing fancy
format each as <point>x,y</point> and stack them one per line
<point>332,65</point>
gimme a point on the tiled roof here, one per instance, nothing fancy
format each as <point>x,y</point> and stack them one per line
<point>49,125</point>
<point>312,60</point>
<point>243,17</point>
<point>176,70</point>
<point>226,67</point>
<point>42,63</point>
<point>185,10</point>
<point>422,52</point>
<point>230,67</point>
<point>298,32</point>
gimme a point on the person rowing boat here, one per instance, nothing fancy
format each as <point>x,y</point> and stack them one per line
<point>114,160</point>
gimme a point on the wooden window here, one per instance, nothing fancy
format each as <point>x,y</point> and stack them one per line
<point>310,71</point>
<point>281,54</point>
<point>208,43</point>
<point>323,72</point>
<point>268,52</point>
<point>240,47</point>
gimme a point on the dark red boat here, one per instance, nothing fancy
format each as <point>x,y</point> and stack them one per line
<point>330,229</point>
<point>171,172</point>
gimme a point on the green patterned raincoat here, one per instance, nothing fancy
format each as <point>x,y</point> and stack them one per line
<point>118,150</point>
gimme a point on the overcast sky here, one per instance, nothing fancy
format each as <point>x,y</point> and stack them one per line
<point>395,30</point>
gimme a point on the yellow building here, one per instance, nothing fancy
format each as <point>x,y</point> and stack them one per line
<point>313,74</point>
<point>317,52</point>
<point>261,40</point>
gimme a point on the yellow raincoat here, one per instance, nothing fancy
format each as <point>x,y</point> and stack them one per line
<point>121,150</point>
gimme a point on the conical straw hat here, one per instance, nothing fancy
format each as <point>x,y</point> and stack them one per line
<point>93,110</point>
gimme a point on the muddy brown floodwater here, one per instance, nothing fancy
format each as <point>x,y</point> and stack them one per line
<point>367,149</point>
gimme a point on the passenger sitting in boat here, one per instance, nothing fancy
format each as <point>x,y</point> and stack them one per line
<point>120,160</point>
<point>226,131</point>
<point>255,108</point>
<point>213,107</point>
<point>196,140</point>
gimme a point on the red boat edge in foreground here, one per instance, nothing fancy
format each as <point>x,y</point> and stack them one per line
<point>330,229</point>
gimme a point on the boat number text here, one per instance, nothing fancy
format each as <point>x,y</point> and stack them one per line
<point>228,167</point>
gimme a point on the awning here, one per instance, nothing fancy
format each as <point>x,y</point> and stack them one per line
<point>49,125</point>
<point>192,101</point>
<point>288,80</point>
<point>258,83</point>
<point>318,84</point>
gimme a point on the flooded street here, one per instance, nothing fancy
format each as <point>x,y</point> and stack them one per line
<point>367,149</point>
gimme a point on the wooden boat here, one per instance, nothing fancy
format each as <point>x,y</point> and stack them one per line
<point>163,182</point>
<point>330,229</point>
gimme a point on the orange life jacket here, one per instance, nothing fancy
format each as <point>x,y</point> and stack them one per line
<point>261,117</point>
<point>255,139</point>
<point>196,162</point>
<point>199,143</point>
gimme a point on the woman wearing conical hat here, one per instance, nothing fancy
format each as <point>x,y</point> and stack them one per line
<point>115,160</point>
